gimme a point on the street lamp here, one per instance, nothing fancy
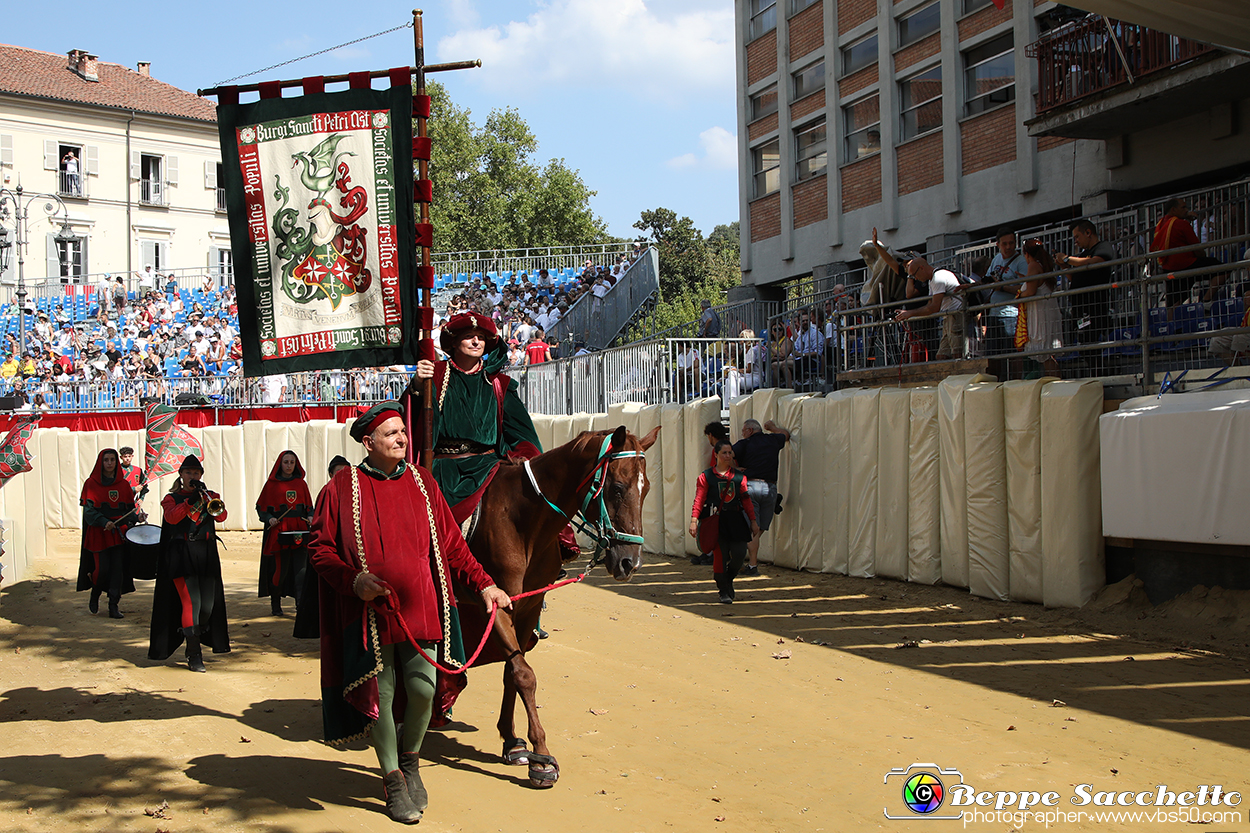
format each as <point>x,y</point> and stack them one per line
<point>18,203</point>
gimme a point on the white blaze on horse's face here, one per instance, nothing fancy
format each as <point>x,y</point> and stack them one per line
<point>642,480</point>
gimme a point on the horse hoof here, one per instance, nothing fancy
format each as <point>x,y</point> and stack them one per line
<point>544,771</point>
<point>515,753</point>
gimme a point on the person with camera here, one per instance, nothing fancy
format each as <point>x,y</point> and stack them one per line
<point>190,600</point>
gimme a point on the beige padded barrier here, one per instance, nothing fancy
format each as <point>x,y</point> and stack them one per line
<point>1175,468</point>
<point>602,422</point>
<point>788,527</point>
<point>953,475</point>
<point>35,542</point>
<point>582,421</point>
<point>44,447</point>
<point>1073,565</point>
<point>672,450</point>
<point>68,514</point>
<point>214,465</point>
<point>739,412</point>
<point>233,482</point>
<point>542,427</point>
<point>763,408</point>
<point>297,441</point>
<point>837,536</point>
<point>73,478</point>
<point>697,454</point>
<point>924,550</point>
<point>255,469</point>
<point>813,458</point>
<point>865,430</point>
<point>314,455</point>
<point>985,459</point>
<point>653,506</point>
<point>892,451</point>
<point>1022,435</point>
<point>561,430</point>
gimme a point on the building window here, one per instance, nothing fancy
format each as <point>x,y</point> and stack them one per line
<point>155,254</point>
<point>862,53</point>
<point>67,259</point>
<point>861,123</point>
<point>919,24</point>
<point>809,80</point>
<point>766,167</point>
<point>970,6</point>
<point>221,191</point>
<point>70,175</point>
<point>797,6</point>
<point>763,17</point>
<point>989,75</point>
<point>764,103</point>
<point>809,150</point>
<point>222,266</point>
<point>920,99</point>
<point>151,183</point>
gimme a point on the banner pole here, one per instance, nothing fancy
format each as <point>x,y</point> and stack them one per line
<point>425,295</point>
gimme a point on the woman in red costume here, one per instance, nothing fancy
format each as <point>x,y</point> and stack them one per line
<point>724,489</point>
<point>284,505</point>
<point>107,503</point>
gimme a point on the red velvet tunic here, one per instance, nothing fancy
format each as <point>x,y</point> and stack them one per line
<point>288,498</point>
<point>106,502</point>
<point>396,533</point>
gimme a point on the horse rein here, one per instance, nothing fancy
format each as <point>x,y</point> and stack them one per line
<point>601,529</point>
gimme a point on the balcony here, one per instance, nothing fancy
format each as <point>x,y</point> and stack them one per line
<point>70,185</point>
<point>1099,78</point>
<point>221,199</point>
<point>152,192</point>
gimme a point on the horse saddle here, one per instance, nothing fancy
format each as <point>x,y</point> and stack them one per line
<point>469,527</point>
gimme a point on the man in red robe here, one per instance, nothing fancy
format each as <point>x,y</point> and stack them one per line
<point>386,546</point>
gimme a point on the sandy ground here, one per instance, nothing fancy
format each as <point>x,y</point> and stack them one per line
<point>666,710</point>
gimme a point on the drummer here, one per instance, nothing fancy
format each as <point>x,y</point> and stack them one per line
<point>189,600</point>
<point>132,474</point>
<point>108,504</point>
<point>308,609</point>
<point>285,508</point>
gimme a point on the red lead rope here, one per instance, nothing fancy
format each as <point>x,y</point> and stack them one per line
<point>388,610</point>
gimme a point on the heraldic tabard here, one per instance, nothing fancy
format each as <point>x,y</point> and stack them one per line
<point>320,197</point>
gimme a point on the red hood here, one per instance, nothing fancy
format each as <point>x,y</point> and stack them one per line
<point>298,474</point>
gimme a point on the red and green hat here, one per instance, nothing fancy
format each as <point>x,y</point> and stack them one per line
<point>459,325</point>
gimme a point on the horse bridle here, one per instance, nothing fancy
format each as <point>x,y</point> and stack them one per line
<point>600,529</point>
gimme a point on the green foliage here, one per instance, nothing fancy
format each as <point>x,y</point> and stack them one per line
<point>489,193</point>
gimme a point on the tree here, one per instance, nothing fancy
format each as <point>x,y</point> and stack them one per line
<point>490,194</point>
<point>691,268</point>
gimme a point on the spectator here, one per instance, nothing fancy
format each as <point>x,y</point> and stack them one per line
<point>1091,309</point>
<point>943,297</point>
<point>274,389</point>
<point>809,348</point>
<point>147,279</point>
<point>1040,322</point>
<point>537,351</point>
<point>1008,265</point>
<point>689,372</point>
<point>716,433</point>
<point>193,363</point>
<point>725,489</point>
<point>171,286</point>
<point>1174,230</point>
<point>1234,348</point>
<point>781,356</point>
<point>119,295</point>
<point>756,454</point>
<point>73,183</point>
<point>709,321</point>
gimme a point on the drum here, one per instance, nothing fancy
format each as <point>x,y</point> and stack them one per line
<point>292,539</point>
<point>143,545</point>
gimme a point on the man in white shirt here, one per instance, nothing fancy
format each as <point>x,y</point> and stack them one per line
<point>942,298</point>
<point>147,279</point>
<point>689,370</point>
<point>544,279</point>
<point>273,389</point>
<point>809,347</point>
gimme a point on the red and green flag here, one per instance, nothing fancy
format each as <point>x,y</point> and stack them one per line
<point>14,458</point>
<point>167,444</point>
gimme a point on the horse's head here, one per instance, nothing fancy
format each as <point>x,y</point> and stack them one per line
<point>625,486</point>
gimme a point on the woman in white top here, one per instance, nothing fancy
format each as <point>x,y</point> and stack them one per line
<point>1041,314</point>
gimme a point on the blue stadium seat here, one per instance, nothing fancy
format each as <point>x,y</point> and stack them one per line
<point>1227,312</point>
<point>1188,318</point>
<point>1160,327</point>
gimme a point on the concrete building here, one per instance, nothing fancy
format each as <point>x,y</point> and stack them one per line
<point>135,160</point>
<point>936,121</point>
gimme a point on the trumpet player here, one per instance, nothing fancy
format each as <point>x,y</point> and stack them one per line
<point>189,601</point>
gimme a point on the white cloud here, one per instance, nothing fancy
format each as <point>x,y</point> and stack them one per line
<point>617,47</point>
<point>718,151</point>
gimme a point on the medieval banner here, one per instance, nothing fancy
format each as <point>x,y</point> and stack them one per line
<point>319,193</point>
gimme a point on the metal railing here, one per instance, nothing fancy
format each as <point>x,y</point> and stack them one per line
<point>221,199</point>
<point>152,192</point>
<point>1088,56</point>
<point>595,322</point>
<point>68,291</point>
<point>551,258</point>
<point>71,184</point>
<point>734,318</point>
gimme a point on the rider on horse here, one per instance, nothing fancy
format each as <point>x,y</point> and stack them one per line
<point>479,419</point>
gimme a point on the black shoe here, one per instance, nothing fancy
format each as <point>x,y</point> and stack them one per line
<point>540,633</point>
<point>409,765</point>
<point>707,560</point>
<point>399,804</point>
<point>114,613</point>
<point>93,604</point>
<point>777,505</point>
<point>750,571</point>
<point>196,662</point>
<point>275,605</point>
<point>695,561</point>
<point>726,598</point>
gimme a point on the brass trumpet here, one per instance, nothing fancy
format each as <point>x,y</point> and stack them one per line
<point>216,506</point>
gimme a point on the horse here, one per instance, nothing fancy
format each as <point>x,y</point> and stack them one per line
<point>602,475</point>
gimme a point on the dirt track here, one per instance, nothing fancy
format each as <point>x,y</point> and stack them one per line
<point>666,710</point>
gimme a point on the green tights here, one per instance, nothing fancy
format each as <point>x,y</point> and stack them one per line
<point>417,674</point>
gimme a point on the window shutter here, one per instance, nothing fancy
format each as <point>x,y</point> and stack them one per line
<point>147,254</point>
<point>210,175</point>
<point>83,271</point>
<point>54,262</point>
<point>93,160</point>
<point>50,160</point>
<point>136,165</point>
<point>171,170</point>
<point>162,255</point>
<point>6,149</point>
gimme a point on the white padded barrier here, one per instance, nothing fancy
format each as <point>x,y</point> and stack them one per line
<point>34,543</point>
<point>44,446</point>
<point>1073,562</point>
<point>892,451</point>
<point>813,461</point>
<point>653,506</point>
<point>953,474</point>
<point>788,527</point>
<point>985,459</point>
<point>66,456</point>
<point>233,482</point>
<point>739,412</point>
<point>1022,436</point>
<point>214,465</point>
<point>1175,468</point>
<point>673,443</point>
<point>838,496</point>
<point>763,408</point>
<point>865,431</point>
<point>255,470</point>
<point>314,455</point>
<point>924,546</point>
<point>697,454</point>
<point>542,427</point>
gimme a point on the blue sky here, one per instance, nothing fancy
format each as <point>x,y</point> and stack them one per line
<point>637,95</point>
